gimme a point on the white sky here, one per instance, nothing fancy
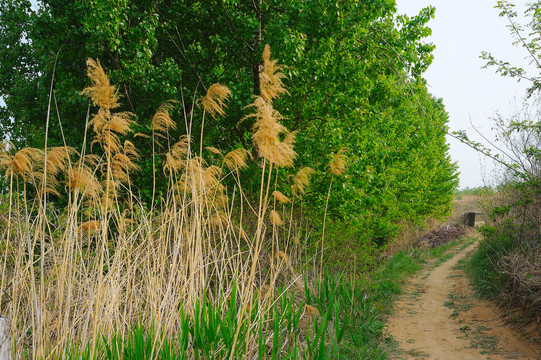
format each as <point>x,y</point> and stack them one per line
<point>460,31</point>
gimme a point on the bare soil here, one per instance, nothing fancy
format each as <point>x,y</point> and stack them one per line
<point>438,317</point>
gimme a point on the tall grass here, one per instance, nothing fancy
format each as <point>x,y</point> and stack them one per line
<point>76,277</point>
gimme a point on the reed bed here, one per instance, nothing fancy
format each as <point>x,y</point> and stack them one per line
<point>86,274</point>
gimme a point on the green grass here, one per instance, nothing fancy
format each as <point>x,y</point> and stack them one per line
<point>442,252</point>
<point>486,279</point>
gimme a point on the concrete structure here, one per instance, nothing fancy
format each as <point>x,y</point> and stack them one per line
<point>5,343</point>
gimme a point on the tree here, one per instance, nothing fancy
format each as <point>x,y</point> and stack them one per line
<point>354,73</point>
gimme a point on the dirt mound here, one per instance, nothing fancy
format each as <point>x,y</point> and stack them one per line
<point>442,235</point>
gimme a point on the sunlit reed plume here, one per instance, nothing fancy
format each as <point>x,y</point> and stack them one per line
<point>82,178</point>
<point>214,150</point>
<point>106,125</point>
<point>102,93</point>
<point>301,180</point>
<point>270,78</point>
<point>175,158</point>
<point>122,165</point>
<point>266,135</point>
<point>201,183</point>
<point>339,163</point>
<point>280,197</point>
<point>236,159</point>
<point>162,122</point>
<point>22,163</point>
<point>58,159</point>
<point>57,163</point>
<point>214,101</point>
<point>275,218</point>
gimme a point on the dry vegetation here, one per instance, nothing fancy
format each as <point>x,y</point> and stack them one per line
<point>508,266</point>
<point>106,262</point>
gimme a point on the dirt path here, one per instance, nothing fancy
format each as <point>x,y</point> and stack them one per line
<point>439,318</point>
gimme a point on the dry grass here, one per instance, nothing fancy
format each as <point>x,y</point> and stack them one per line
<point>465,203</point>
<point>410,234</point>
<point>105,263</point>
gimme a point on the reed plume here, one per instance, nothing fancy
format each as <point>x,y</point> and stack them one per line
<point>122,165</point>
<point>270,78</point>
<point>214,150</point>
<point>22,163</point>
<point>214,101</point>
<point>301,180</point>
<point>123,162</point>
<point>58,159</point>
<point>267,129</point>
<point>266,135</point>
<point>175,158</point>
<point>107,126</point>
<point>338,163</point>
<point>275,218</point>
<point>82,176</point>
<point>57,162</point>
<point>236,159</point>
<point>280,197</point>
<point>102,93</point>
<point>162,122</point>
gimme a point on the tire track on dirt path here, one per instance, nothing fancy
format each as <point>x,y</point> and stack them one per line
<point>438,318</point>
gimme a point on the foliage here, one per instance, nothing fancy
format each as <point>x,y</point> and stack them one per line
<point>354,77</point>
<point>527,36</point>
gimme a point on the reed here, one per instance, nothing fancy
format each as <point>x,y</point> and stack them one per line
<point>90,272</point>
